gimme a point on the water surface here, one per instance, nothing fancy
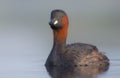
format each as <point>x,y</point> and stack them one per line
<point>26,38</point>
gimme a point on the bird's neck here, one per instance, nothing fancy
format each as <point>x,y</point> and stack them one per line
<point>59,40</point>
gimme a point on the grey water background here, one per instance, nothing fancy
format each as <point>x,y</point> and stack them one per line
<point>26,38</point>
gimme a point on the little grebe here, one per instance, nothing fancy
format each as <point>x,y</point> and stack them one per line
<point>77,54</point>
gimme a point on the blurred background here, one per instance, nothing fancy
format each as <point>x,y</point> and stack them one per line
<point>26,38</point>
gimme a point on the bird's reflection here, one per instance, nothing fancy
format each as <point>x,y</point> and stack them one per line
<point>76,71</point>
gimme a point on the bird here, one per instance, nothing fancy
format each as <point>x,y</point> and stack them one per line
<point>71,55</point>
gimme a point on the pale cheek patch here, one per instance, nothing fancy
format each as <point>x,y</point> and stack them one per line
<point>55,22</point>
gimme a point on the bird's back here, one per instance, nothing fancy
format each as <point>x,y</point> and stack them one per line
<point>80,54</point>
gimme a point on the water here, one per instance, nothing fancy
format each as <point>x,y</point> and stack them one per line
<point>32,66</point>
<point>26,38</point>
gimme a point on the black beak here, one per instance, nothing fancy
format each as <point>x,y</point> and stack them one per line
<point>53,22</point>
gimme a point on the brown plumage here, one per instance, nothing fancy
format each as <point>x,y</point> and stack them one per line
<point>77,54</point>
